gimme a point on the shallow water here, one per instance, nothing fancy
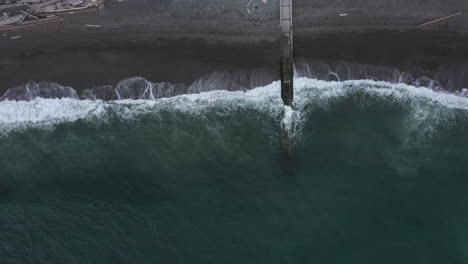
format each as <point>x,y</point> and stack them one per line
<point>380,178</point>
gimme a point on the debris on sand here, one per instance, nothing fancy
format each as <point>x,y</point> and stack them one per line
<point>18,12</point>
<point>440,19</point>
<point>8,20</point>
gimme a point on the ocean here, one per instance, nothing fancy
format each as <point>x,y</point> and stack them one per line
<point>380,176</point>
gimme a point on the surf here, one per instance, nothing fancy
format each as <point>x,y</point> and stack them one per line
<point>421,102</point>
<point>423,114</point>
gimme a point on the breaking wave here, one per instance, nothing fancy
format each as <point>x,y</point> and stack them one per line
<point>158,174</point>
<point>444,77</point>
<point>137,88</point>
<point>424,108</point>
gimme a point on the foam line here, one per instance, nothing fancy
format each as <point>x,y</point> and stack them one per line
<point>20,115</point>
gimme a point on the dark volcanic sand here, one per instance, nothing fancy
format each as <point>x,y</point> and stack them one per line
<point>185,61</point>
<point>177,62</point>
<point>179,41</point>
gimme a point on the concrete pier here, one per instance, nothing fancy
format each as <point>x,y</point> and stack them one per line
<point>287,86</point>
<point>286,52</point>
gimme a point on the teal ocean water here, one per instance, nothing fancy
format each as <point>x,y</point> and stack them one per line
<point>380,177</point>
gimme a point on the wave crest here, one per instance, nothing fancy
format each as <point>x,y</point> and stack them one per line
<point>33,90</point>
<point>425,108</point>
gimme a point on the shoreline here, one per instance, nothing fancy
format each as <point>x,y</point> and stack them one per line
<point>183,61</point>
<point>167,40</point>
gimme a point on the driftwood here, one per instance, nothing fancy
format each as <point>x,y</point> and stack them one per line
<point>32,23</point>
<point>74,2</point>
<point>29,15</point>
<point>66,10</point>
<point>42,5</point>
<point>12,20</point>
<point>36,9</point>
<point>440,19</point>
<point>72,11</point>
<point>2,7</point>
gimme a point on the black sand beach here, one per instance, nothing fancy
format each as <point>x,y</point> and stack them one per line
<point>153,39</point>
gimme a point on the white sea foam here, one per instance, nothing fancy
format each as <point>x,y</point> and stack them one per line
<point>20,115</point>
<point>423,103</point>
<point>289,120</point>
<point>323,91</point>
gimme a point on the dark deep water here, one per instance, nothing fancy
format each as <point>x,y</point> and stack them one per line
<point>381,177</point>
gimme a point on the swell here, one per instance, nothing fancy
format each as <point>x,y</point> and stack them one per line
<point>91,147</point>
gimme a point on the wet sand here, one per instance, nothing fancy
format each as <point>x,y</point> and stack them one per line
<point>174,62</point>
